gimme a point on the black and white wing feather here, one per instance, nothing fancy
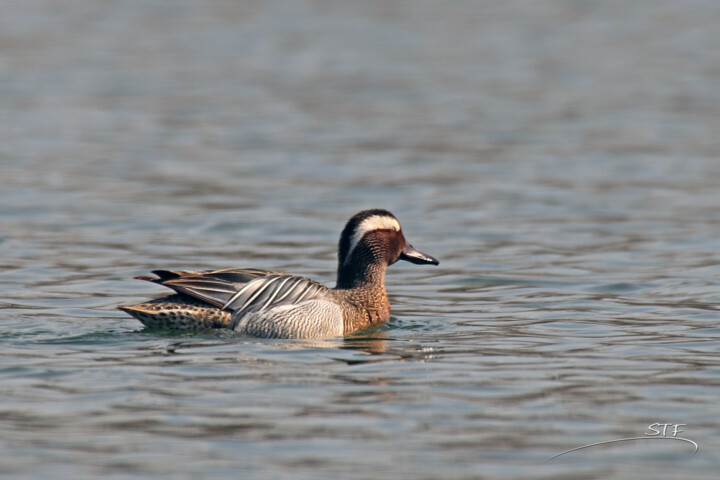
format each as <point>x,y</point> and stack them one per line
<point>242,290</point>
<point>273,290</point>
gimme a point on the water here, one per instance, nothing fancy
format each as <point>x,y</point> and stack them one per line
<point>559,158</point>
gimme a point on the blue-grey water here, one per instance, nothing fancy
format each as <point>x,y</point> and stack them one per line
<point>561,158</point>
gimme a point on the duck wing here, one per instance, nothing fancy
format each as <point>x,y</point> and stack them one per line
<point>212,286</point>
<point>271,291</point>
<point>240,290</point>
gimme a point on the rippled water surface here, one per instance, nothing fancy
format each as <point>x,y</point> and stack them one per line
<point>560,158</point>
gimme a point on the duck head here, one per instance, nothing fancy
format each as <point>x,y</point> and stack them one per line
<point>370,242</point>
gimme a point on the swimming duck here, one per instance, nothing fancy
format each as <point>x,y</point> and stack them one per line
<point>264,303</point>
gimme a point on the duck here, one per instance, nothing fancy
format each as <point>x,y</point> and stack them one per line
<point>271,304</point>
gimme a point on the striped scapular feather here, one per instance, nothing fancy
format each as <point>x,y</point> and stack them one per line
<point>240,290</point>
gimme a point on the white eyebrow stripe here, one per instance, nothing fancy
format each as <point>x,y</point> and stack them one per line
<point>376,222</point>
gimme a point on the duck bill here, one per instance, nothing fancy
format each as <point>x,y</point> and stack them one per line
<point>416,256</point>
